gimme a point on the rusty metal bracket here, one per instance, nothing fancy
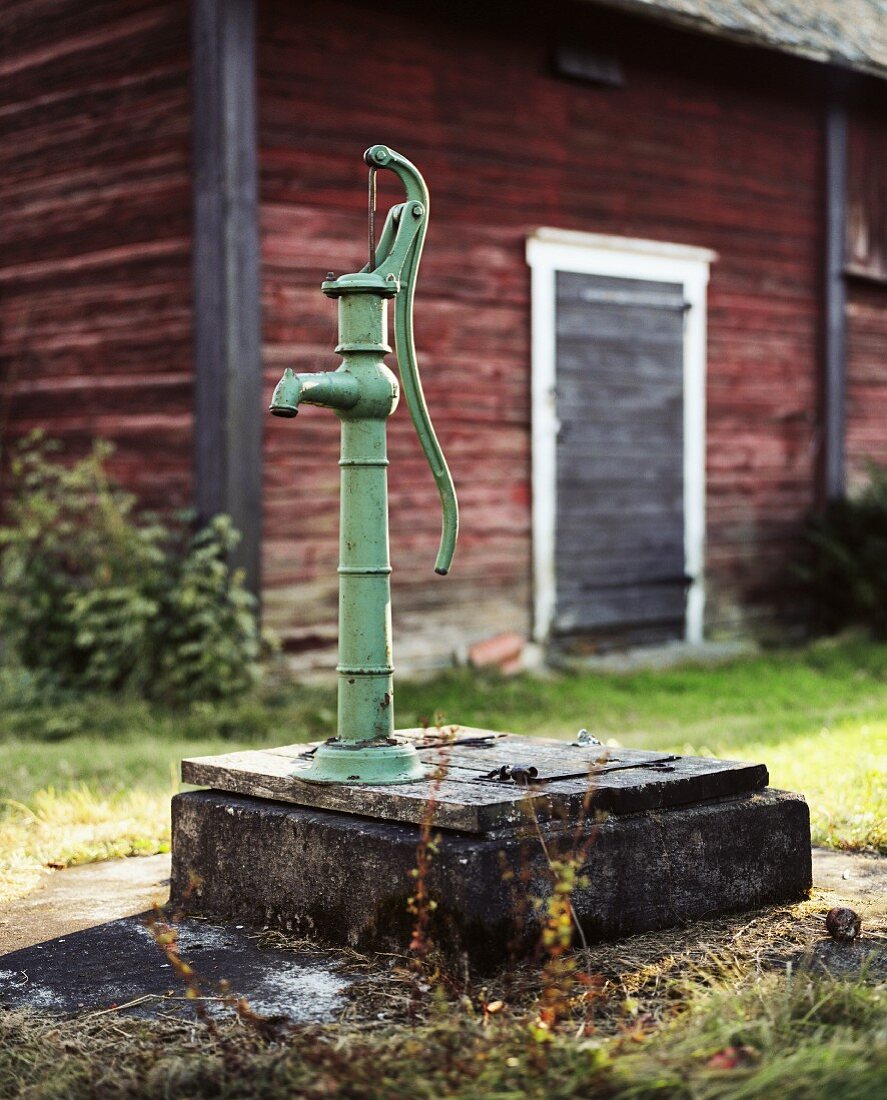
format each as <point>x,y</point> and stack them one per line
<point>666,764</point>
<point>521,774</point>
<point>526,774</point>
<point>484,742</point>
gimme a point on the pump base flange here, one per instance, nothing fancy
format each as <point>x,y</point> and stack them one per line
<point>369,762</point>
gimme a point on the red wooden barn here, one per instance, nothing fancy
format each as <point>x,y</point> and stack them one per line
<point>652,312</point>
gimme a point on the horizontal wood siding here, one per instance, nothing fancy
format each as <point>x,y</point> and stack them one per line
<point>866,231</point>
<point>690,150</point>
<point>95,215</point>
<point>866,378</point>
<point>866,432</point>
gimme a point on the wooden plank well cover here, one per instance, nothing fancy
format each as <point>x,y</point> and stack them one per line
<point>571,780</point>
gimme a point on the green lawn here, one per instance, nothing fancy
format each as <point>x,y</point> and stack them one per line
<point>104,768</point>
<point>712,1010</point>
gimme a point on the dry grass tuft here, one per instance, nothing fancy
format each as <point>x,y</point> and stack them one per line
<point>77,826</point>
<point>644,977</point>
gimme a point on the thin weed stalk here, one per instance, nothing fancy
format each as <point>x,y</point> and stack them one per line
<point>559,920</point>
<point>421,905</point>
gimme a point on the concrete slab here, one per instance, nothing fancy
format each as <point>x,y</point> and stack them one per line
<point>82,897</point>
<point>346,880</point>
<point>118,966</point>
<point>855,878</point>
<point>677,654</point>
<point>66,957</point>
<point>863,959</point>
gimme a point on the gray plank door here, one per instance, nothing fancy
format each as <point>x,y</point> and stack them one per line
<point>619,557</point>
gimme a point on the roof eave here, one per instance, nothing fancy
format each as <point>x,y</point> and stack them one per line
<point>742,36</point>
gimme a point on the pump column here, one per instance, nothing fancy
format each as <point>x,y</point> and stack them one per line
<point>366,684</point>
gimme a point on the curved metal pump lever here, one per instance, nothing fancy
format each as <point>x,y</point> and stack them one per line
<point>398,253</point>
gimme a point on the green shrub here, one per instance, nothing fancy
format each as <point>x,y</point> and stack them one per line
<point>95,597</point>
<point>846,577</point>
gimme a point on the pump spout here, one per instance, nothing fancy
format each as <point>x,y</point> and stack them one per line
<point>285,400</point>
<point>336,389</point>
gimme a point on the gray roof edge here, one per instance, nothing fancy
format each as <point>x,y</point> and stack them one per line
<point>840,52</point>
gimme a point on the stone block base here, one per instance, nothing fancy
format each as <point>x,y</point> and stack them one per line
<point>345,880</point>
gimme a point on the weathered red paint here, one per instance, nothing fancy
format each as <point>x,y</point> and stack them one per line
<point>95,232</point>
<point>867,286</point>
<point>866,378</point>
<point>706,144</point>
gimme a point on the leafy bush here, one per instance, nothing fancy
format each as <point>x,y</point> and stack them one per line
<point>847,575</point>
<point>94,596</point>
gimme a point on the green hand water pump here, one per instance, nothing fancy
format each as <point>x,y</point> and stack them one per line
<point>363,393</point>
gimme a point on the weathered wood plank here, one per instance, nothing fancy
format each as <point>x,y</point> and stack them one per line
<point>631,394</point>
<point>866,377</point>
<point>95,234</point>
<point>571,778</point>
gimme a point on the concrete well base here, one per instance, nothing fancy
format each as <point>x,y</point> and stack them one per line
<point>346,879</point>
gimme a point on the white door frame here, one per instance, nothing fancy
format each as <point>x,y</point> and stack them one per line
<point>553,250</point>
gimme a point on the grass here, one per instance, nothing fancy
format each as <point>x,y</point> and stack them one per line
<point>77,826</point>
<point>718,1009</point>
<point>702,1013</point>
<point>816,716</point>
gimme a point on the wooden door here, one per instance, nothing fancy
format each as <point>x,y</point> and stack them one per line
<point>619,530</point>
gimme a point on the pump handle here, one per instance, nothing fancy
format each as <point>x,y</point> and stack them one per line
<point>398,252</point>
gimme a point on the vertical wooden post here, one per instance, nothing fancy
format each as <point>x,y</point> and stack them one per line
<point>227,351</point>
<point>835,295</point>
